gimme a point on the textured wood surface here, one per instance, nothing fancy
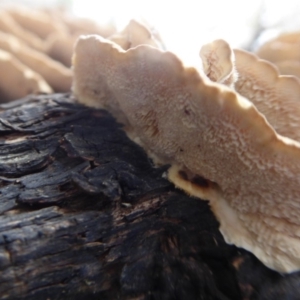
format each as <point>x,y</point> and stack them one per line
<point>85,215</point>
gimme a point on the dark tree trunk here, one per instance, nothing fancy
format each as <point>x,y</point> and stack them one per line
<point>85,215</point>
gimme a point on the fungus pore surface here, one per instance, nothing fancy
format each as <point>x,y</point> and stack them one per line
<point>220,146</point>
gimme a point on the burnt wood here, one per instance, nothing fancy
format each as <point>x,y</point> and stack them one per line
<point>84,214</point>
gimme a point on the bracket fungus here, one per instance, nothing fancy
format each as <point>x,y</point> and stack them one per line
<point>218,62</point>
<point>220,146</point>
<point>135,34</point>
<point>90,86</point>
<point>275,96</point>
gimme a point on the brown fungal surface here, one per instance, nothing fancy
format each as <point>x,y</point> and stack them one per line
<point>289,67</point>
<point>284,52</point>
<point>17,80</point>
<point>36,21</point>
<point>277,51</point>
<point>218,62</point>
<point>210,131</point>
<point>135,34</point>
<point>289,37</point>
<point>275,96</point>
<point>57,76</point>
<point>88,84</point>
<point>284,47</point>
<point>60,46</point>
<point>10,26</point>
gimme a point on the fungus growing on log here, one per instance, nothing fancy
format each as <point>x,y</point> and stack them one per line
<point>89,85</point>
<point>220,146</point>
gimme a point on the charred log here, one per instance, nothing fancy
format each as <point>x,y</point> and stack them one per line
<point>85,215</point>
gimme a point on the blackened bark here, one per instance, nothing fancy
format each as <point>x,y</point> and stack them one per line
<point>85,215</point>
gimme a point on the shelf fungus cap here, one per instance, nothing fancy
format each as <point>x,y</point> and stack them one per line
<point>135,34</point>
<point>89,85</point>
<point>218,62</point>
<point>276,96</point>
<point>220,146</point>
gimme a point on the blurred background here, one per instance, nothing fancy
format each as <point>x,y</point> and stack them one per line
<point>185,25</point>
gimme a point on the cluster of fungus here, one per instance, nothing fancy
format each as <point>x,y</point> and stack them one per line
<point>230,135</point>
<point>36,47</point>
<point>229,131</point>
